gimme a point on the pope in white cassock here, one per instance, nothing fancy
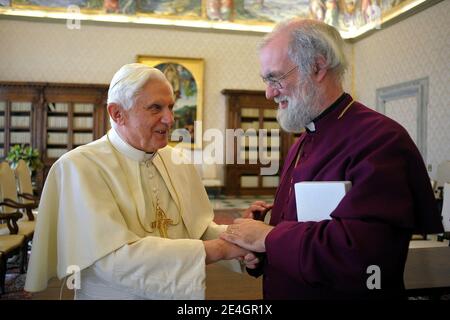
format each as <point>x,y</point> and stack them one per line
<point>137,224</point>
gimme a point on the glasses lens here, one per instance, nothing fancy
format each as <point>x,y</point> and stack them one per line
<point>274,83</point>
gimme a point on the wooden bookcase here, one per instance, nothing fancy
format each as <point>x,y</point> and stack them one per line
<point>52,117</point>
<point>251,111</point>
<point>17,116</point>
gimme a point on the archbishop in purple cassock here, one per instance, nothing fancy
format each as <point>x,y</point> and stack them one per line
<point>361,251</point>
<point>390,199</point>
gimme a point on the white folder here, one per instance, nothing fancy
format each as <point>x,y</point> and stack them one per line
<point>316,200</point>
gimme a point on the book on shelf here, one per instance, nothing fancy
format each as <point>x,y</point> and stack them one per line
<point>21,106</point>
<point>82,138</point>
<point>246,125</point>
<point>82,122</point>
<point>250,112</point>
<point>20,121</point>
<point>83,107</point>
<point>57,122</point>
<point>270,113</point>
<point>249,181</point>
<point>271,125</point>
<point>57,138</point>
<point>20,138</point>
<point>55,152</point>
<point>58,107</point>
<point>270,181</point>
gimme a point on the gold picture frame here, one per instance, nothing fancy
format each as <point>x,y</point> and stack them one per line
<point>186,78</point>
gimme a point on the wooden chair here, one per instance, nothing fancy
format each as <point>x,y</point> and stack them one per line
<point>11,243</point>
<point>10,204</point>
<point>24,184</point>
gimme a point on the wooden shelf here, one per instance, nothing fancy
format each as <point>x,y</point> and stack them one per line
<point>82,114</point>
<point>54,129</point>
<point>57,114</point>
<point>20,129</point>
<point>56,145</point>
<point>20,113</point>
<point>72,104</point>
<point>237,175</point>
<point>249,119</point>
<point>82,130</point>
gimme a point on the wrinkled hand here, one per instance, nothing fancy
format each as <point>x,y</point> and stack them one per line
<point>251,260</point>
<point>257,210</point>
<point>219,249</point>
<point>247,233</point>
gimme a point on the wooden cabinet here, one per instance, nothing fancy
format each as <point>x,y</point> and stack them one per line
<point>54,118</point>
<point>258,143</point>
<point>17,116</point>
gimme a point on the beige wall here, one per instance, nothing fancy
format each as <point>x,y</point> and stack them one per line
<point>414,48</point>
<point>48,51</point>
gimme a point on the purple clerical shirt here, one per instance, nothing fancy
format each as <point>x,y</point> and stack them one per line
<point>390,199</point>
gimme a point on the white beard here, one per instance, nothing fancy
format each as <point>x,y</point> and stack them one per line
<point>302,107</point>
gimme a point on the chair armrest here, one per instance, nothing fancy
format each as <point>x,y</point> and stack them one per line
<point>12,204</point>
<point>11,221</point>
<point>17,205</point>
<point>30,197</point>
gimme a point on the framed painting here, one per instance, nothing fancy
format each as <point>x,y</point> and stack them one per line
<point>186,77</point>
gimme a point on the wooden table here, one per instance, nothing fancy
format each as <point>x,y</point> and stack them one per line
<point>427,272</point>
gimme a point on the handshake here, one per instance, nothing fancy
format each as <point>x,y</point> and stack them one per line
<point>245,238</point>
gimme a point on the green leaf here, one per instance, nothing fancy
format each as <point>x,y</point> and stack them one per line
<point>27,153</point>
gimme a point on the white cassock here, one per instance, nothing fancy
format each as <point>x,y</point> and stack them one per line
<point>96,213</point>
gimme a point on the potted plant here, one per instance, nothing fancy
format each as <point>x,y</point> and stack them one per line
<point>30,155</point>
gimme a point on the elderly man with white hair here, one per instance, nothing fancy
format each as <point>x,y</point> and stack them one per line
<point>120,210</point>
<point>303,64</point>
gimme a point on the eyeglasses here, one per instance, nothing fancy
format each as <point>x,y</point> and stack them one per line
<point>276,82</point>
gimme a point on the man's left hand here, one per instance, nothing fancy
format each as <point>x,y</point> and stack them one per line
<point>248,233</point>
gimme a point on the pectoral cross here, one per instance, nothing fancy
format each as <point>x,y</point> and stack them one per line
<point>161,222</point>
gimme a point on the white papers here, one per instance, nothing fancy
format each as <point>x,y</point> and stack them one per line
<point>316,200</point>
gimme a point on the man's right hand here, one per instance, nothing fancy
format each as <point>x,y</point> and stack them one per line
<point>219,249</point>
<point>257,210</point>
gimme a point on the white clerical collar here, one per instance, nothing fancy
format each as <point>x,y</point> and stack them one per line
<point>311,127</point>
<point>123,147</point>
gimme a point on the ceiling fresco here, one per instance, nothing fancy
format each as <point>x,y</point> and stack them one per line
<point>351,17</point>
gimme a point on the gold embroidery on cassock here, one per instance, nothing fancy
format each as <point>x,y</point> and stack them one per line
<point>161,221</point>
